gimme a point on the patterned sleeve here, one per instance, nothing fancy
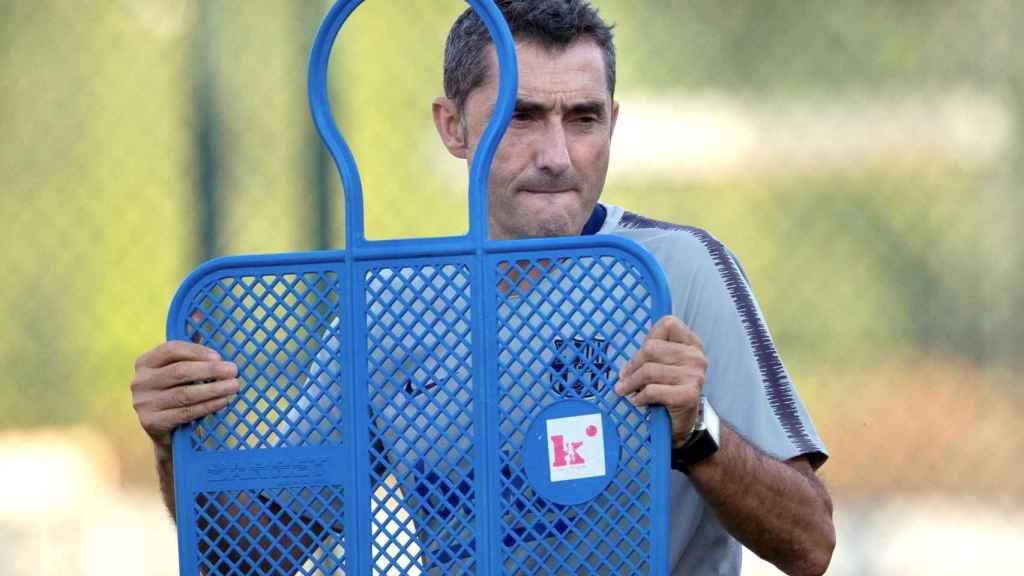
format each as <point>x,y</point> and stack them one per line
<point>746,381</point>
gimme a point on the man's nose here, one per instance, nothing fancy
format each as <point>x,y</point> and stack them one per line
<point>552,153</point>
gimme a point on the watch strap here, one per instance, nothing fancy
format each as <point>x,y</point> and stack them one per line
<point>702,441</point>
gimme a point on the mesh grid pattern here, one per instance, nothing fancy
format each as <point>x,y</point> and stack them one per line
<point>419,362</point>
<point>556,319</point>
<point>270,532</point>
<point>279,329</point>
<point>562,327</point>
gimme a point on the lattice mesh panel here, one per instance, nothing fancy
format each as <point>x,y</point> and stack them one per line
<point>281,531</point>
<point>280,330</point>
<point>270,471</point>
<point>419,359</point>
<point>565,328</point>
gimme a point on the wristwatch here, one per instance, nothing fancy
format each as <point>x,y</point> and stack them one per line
<point>702,441</point>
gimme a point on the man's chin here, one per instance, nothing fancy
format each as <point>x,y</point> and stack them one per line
<point>556,231</point>
<point>543,219</point>
<point>548,228</point>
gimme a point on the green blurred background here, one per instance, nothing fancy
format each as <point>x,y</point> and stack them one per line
<point>863,159</point>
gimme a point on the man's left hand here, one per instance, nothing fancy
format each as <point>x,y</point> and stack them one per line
<point>668,370</point>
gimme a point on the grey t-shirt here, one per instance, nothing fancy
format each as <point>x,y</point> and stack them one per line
<point>746,381</point>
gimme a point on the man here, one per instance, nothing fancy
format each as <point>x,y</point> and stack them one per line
<point>712,361</point>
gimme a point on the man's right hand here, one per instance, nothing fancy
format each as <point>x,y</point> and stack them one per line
<point>178,382</point>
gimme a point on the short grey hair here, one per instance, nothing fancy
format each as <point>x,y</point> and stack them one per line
<point>554,24</point>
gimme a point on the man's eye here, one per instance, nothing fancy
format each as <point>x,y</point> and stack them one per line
<point>520,117</point>
<point>587,120</point>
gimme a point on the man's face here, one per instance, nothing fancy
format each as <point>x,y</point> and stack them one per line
<point>550,167</point>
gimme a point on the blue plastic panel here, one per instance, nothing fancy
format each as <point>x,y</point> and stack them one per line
<point>439,406</point>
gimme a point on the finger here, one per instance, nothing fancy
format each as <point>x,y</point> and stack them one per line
<point>158,424</point>
<point>672,329</point>
<point>669,329</point>
<point>675,353</point>
<point>674,398</point>
<point>186,414</point>
<point>175,351</point>
<point>188,395</point>
<point>642,356</point>
<point>650,373</point>
<point>187,372</point>
<point>635,362</point>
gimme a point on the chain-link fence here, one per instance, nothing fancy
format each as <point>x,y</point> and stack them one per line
<point>862,159</point>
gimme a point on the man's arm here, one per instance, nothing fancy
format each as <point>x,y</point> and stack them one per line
<point>165,472</point>
<point>780,510</point>
<point>164,396</point>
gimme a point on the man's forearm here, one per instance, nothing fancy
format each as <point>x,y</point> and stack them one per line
<point>165,470</point>
<point>779,510</point>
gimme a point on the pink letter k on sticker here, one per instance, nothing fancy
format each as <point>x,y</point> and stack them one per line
<point>558,444</point>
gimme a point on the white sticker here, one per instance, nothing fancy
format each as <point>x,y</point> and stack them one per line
<point>575,447</point>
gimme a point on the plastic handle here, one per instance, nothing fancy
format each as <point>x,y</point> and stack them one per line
<point>479,171</point>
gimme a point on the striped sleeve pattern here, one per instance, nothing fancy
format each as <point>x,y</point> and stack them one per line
<point>777,387</point>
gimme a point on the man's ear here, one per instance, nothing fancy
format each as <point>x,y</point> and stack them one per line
<point>448,122</point>
<point>615,118</point>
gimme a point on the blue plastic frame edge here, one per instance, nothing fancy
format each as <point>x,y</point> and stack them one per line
<point>475,241</point>
<point>355,237</point>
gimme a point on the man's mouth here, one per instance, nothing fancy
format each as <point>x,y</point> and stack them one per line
<point>546,190</point>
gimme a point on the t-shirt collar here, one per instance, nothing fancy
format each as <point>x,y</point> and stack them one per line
<point>595,221</point>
